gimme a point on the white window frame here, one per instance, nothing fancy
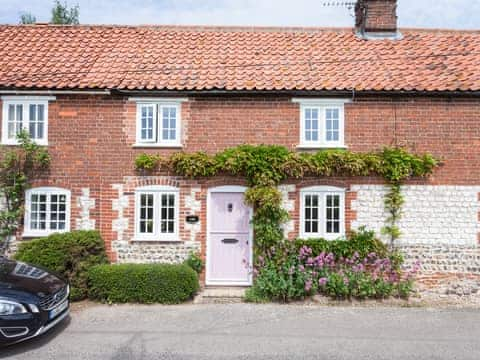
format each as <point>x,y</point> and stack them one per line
<point>28,232</point>
<point>157,191</point>
<point>322,105</point>
<point>322,192</point>
<point>25,101</point>
<point>159,105</point>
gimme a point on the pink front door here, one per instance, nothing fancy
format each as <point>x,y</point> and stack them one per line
<point>229,243</point>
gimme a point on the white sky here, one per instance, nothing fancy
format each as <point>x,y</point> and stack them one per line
<point>455,14</point>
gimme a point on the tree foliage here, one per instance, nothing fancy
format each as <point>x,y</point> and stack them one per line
<point>62,14</point>
<point>27,18</point>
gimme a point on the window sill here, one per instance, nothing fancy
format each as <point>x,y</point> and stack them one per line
<point>320,146</point>
<point>31,234</point>
<point>18,144</point>
<point>320,236</point>
<point>140,240</point>
<point>157,146</point>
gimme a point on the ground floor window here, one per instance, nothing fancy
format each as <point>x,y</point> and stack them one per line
<point>156,209</point>
<point>47,210</point>
<point>322,210</point>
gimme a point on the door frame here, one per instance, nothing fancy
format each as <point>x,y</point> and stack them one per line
<point>208,280</point>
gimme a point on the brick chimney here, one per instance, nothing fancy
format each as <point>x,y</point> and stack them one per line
<point>376,19</point>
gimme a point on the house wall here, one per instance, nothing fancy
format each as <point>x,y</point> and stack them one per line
<point>91,138</point>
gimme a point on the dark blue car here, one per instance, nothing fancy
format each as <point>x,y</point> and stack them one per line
<point>32,301</point>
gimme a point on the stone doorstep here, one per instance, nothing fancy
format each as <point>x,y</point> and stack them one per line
<point>220,294</point>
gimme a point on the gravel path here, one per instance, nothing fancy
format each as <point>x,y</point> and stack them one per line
<point>245,331</point>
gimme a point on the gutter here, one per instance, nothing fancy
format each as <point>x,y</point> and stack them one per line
<point>299,93</point>
<point>246,93</point>
<point>55,92</point>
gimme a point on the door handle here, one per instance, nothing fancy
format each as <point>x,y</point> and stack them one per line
<point>230,241</point>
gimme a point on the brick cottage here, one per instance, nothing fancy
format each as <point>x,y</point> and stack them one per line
<point>98,96</point>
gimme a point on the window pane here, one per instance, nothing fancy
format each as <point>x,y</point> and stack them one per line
<point>11,130</point>
<point>11,112</point>
<point>32,130</point>
<point>332,214</point>
<point>311,124</point>
<point>33,112</point>
<point>146,214</point>
<point>147,122</point>
<point>332,128</point>
<point>165,134</point>
<point>57,211</point>
<point>40,112</point>
<point>15,120</point>
<point>19,113</point>
<point>167,213</point>
<point>311,214</point>
<point>169,123</point>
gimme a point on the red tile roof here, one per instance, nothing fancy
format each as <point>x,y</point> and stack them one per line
<point>203,58</point>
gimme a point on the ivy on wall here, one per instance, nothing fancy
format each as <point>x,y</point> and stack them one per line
<point>266,166</point>
<point>18,166</point>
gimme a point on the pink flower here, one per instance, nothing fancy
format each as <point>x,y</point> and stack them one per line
<point>308,285</point>
<point>322,281</point>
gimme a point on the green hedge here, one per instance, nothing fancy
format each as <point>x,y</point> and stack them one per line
<point>363,242</point>
<point>142,283</point>
<point>69,254</point>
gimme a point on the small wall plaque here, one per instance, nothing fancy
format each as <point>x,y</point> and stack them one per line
<point>192,219</point>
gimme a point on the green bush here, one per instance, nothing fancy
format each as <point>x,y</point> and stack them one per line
<point>195,262</point>
<point>142,283</point>
<point>69,254</point>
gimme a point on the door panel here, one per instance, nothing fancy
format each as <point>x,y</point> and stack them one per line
<point>229,239</point>
<point>229,213</point>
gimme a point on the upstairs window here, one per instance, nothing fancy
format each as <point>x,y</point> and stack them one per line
<point>321,123</point>
<point>157,211</point>
<point>322,212</point>
<point>158,124</point>
<point>25,113</point>
<point>47,211</point>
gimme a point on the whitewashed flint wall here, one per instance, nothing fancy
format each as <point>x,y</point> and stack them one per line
<point>439,225</point>
<point>431,214</point>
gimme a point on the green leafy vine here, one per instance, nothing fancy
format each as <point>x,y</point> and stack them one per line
<point>266,166</point>
<point>18,166</point>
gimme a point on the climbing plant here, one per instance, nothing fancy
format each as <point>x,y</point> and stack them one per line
<point>18,166</point>
<point>266,166</point>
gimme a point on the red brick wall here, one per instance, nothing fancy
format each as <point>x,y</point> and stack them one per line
<point>91,137</point>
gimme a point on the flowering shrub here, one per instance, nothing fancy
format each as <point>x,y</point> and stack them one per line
<point>289,272</point>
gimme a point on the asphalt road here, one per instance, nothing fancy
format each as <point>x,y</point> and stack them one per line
<point>243,331</point>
